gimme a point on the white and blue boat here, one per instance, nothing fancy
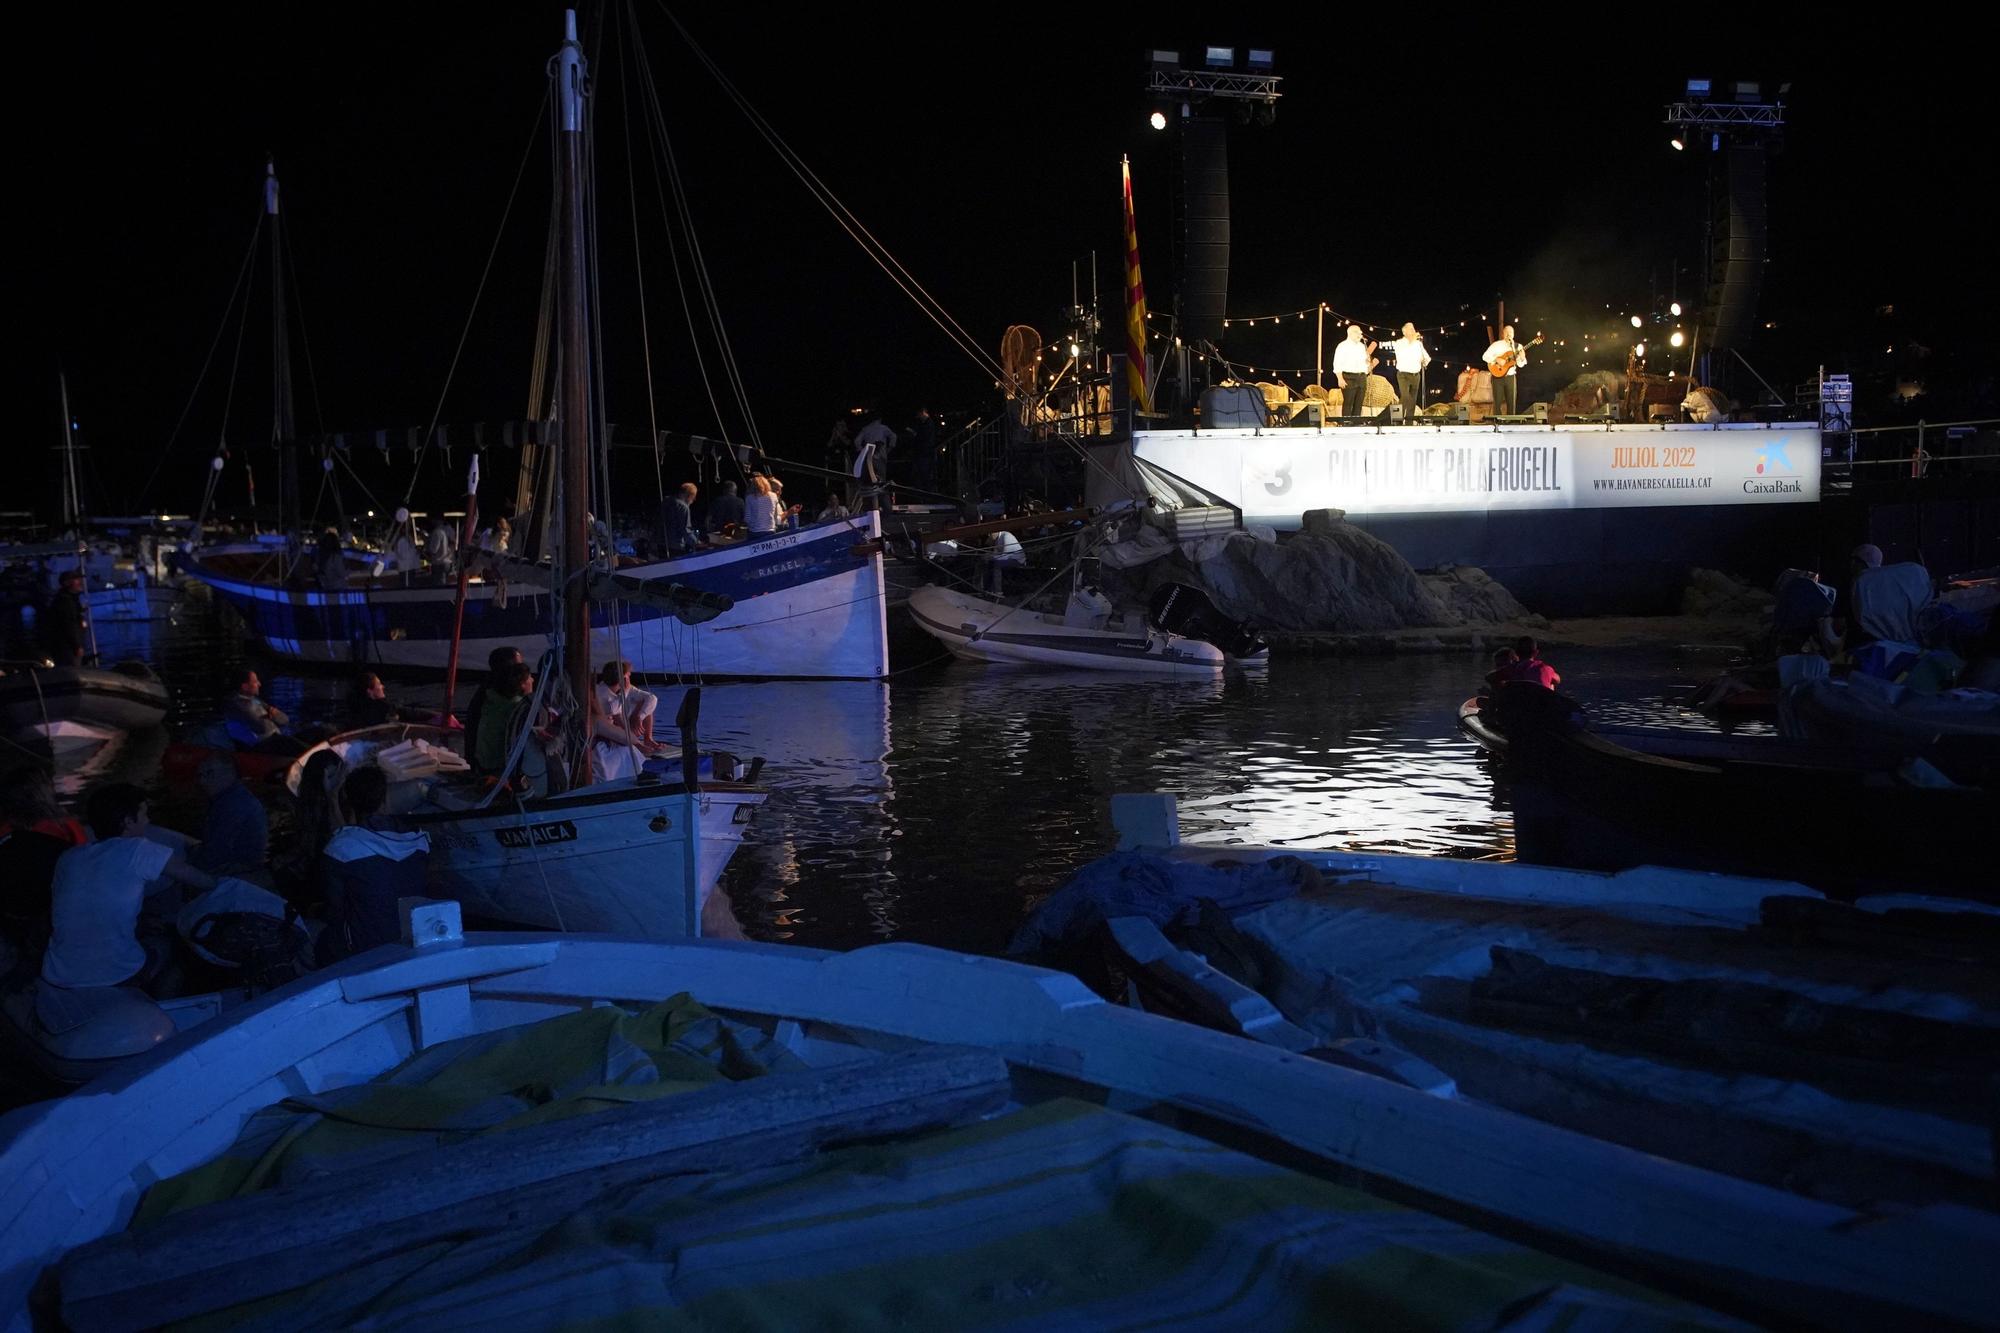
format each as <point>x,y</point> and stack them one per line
<point>808,603</point>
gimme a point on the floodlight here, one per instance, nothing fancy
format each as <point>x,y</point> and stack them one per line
<point>1697,89</point>
<point>1749,92</point>
<point>1221,57</point>
<point>1166,59</point>
<point>1260,60</point>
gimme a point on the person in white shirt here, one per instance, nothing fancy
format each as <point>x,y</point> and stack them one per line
<point>1411,358</point>
<point>1505,398</point>
<point>621,724</point>
<point>1350,372</point>
<point>760,507</point>
<point>99,890</point>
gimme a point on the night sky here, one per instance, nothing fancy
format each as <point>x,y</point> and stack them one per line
<point>1419,177</point>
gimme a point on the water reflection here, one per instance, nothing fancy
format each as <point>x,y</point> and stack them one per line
<point>940,806</point>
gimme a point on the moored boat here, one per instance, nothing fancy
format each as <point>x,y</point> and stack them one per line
<point>808,603</point>
<point>64,707</point>
<point>984,630</point>
<point>1004,1112</point>
<point>1747,1026</point>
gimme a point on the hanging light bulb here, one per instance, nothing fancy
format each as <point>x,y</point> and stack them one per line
<point>1638,323</point>
<point>1676,338</point>
<point>1675,310</point>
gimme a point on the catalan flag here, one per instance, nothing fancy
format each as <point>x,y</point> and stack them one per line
<point>1135,302</point>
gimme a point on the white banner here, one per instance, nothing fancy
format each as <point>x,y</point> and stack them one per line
<point>1276,475</point>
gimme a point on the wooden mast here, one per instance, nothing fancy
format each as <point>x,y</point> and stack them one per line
<point>283,430</point>
<point>573,549</point>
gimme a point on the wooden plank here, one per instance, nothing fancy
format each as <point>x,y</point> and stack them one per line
<point>218,1255</point>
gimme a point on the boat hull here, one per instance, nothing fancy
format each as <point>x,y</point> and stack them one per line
<point>51,702</point>
<point>606,859</point>
<point>1582,799</point>
<point>981,630</point>
<point>806,605</point>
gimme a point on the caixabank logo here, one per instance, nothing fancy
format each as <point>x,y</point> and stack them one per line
<point>1771,466</point>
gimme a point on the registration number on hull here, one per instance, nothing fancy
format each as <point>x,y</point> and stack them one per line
<point>537,835</point>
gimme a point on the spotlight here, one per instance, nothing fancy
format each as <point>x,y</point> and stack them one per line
<point>1679,147</point>
<point>1158,120</point>
<point>1676,338</point>
<point>1674,309</point>
<point>1638,323</point>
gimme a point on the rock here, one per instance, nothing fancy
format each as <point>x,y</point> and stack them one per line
<point>1474,597</point>
<point>1330,578</point>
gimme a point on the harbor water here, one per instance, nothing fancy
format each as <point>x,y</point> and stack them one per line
<point>940,805</point>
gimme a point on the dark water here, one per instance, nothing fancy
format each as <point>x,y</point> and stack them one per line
<point>939,806</point>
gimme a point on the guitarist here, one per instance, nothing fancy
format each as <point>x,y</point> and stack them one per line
<point>1504,383</point>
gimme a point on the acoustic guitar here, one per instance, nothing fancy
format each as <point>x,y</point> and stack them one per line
<point>1507,360</point>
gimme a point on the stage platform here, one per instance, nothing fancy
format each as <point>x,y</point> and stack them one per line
<point>1576,520</point>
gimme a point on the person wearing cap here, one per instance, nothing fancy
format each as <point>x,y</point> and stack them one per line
<point>65,632</point>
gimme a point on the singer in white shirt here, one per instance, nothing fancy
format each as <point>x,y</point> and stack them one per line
<point>1411,358</point>
<point>1350,372</point>
<point>1504,386</point>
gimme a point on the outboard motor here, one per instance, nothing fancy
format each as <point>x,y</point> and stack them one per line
<point>1179,608</point>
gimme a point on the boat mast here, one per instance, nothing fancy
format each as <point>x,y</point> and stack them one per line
<point>282,427</point>
<point>573,549</point>
<point>72,515</point>
<point>72,501</point>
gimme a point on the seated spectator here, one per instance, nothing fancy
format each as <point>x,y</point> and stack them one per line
<point>834,508</point>
<point>236,835</point>
<point>1528,668</point>
<point>314,819</point>
<point>496,662</point>
<point>253,724</point>
<point>371,705</point>
<point>99,891</point>
<point>1883,600</point>
<point>1502,659</point>
<point>34,833</point>
<point>368,866</point>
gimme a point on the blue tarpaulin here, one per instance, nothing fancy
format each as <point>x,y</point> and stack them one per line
<point>1163,890</point>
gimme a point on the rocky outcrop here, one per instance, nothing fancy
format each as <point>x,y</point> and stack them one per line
<point>1474,597</point>
<point>1329,577</point>
<point>1710,592</point>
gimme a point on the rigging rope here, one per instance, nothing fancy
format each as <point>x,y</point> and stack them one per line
<point>638,260</point>
<point>711,307</point>
<point>146,491</point>
<point>416,469</point>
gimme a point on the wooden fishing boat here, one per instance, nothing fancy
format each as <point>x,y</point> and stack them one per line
<point>1020,1149</point>
<point>1746,1026</point>
<point>1613,798</point>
